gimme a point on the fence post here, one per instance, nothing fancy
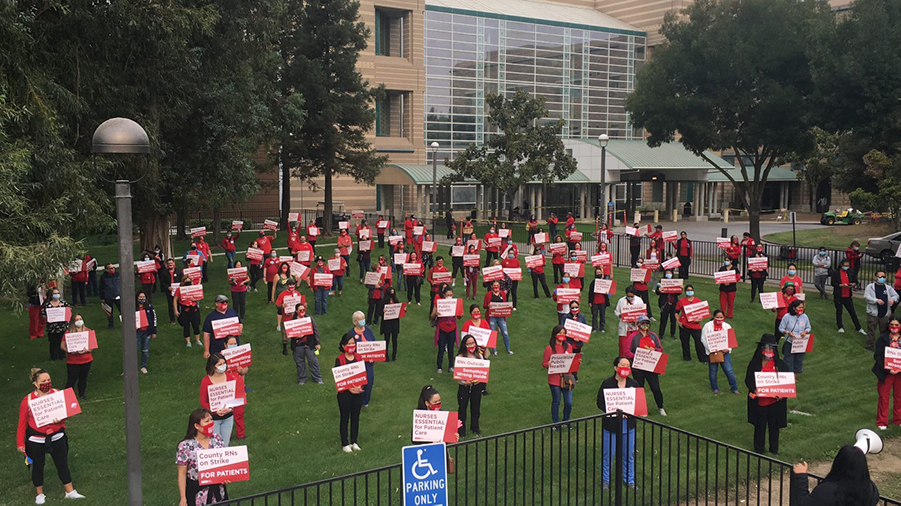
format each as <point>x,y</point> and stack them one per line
<point>618,461</point>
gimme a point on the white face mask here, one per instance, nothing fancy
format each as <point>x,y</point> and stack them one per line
<point>79,323</point>
<point>221,368</point>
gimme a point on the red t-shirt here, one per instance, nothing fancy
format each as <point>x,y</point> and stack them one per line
<point>26,420</point>
<point>271,266</point>
<point>679,308</point>
<point>265,244</point>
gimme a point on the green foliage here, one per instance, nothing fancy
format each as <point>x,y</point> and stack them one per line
<point>733,75</point>
<point>820,164</point>
<point>524,151</point>
<point>886,171</point>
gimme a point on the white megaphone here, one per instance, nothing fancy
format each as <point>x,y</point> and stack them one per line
<point>868,441</point>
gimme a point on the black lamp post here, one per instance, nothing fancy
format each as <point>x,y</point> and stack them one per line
<point>603,139</point>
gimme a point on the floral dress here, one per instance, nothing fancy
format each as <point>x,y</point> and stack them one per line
<point>187,456</point>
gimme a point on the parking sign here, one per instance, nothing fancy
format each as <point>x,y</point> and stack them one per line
<point>425,475</point>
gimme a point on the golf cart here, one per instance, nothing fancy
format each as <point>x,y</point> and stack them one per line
<point>847,217</point>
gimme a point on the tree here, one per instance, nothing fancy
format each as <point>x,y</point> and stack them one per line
<point>820,164</point>
<point>886,170</point>
<point>319,54</point>
<point>523,151</point>
<point>734,74</point>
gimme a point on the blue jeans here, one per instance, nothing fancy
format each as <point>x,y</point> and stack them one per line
<point>365,266</point>
<point>321,301</point>
<point>794,361</point>
<point>713,369</point>
<point>496,322</point>
<point>556,393</point>
<point>370,382</point>
<point>224,428</point>
<point>338,283</point>
<point>627,438</point>
<point>144,345</point>
<point>230,256</point>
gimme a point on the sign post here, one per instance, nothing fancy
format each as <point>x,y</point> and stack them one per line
<point>424,472</point>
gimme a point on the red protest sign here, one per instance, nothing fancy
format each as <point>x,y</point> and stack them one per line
<point>226,327</point>
<point>697,311</point>
<point>373,351</point>
<point>470,260</point>
<point>564,363</point>
<point>449,307</point>
<point>146,266</point>
<point>574,270</point>
<point>671,285</point>
<point>639,275</point>
<point>429,246</point>
<point>721,340</point>
<point>58,405</point>
<point>239,356</point>
<point>191,292</point>
<point>476,243</point>
<point>350,375</point>
<point>576,330</point>
<point>758,263</point>
<point>534,261</point>
<point>221,465</point>
<point>500,309</point>
<point>670,236</point>
<point>557,248</point>
<point>775,384</point>
<point>334,264</point>
<point>471,369</point>
<point>254,254</point>
<point>270,225</point>
<point>81,341</point>
<point>195,273</point>
<point>493,273</point>
<point>237,274</point>
<point>575,236</point>
<point>414,269</point>
<point>723,242</point>
<point>802,344</point>
<point>672,263</point>
<point>431,426</point>
<point>322,280</point>
<point>650,360</point>
<point>365,245</point>
<point>631,312</point>
<point>725,277</point>
<point>539,238</point>
<point>567,295</point>
<point>629,400</point>
<point>141,319</point>
<point>298,327</point>
<point>514,273</point>
<point>485,338</point>
<point>198,231</point>
<point>58,314</point>
<point>892,359</point>
<point>772,300</point>
<point>605,286</point>
<point>237,225</point>
<point>395,311</point>
<point>601,259</point>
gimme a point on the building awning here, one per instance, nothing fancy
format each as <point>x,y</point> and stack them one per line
<point>777,174</point>
<point>394,174</point>
<point>637,155</point>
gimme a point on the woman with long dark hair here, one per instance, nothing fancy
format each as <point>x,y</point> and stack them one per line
<point>848,482</point>
<point>766,412</point>
<point>200,436</point>
<point>350,402</point>
<point>469,393</point>
<point>559,388</point>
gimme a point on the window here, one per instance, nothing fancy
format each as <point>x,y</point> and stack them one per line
<point>463,197</point>
<point>657,191</point>
<point>392,32</point>
<point>392,114</point>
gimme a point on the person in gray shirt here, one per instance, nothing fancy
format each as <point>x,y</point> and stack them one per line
<point>881,300</point>
<point>822,264</point>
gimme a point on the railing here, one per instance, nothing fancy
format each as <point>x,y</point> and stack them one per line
<point>563,464</point>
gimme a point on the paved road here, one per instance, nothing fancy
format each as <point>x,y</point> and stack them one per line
<point>710,230</point>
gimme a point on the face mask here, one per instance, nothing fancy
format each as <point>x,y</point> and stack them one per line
<point>272,255</point>
<point>669,275</point>
<point>574,310</point>
<point>845,267</point>
<point>495,289</point>
<point>718,321</point>
<point>894,329</point>
<point>799,312</point>
<point>726,262</point>
<point>435,407</point>
<point>350,348</point>
<point>146,259</point>
<point>566,280</point>
<point>822,253</point>
<point>362,322</point>
<point>142,301</point>
<point>221,368</point>
<point>856,248</point>
<point>471,348</point>
<point>156,251</point>
<point>491,231</point>
<point>206,430</point>
<point>56,296</point>
<point>881,280</point>
<point>623,372</point>
<point>768,354</point>
<point>228,235</point>
<point>791,272</point>
<point>79,323</point>
<point>477,315</point>
<point>511,256</point>
<point>643,326</point>
<point>561,337</point>
<point>629,298</point>
<point>690,293</point>
<point>45,387</point>
<point>222,306</point>
<point>638,265</point>
<point>233,346</point>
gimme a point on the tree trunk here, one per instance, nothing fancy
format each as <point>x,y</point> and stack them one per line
<point>813,195</point>
<point>180,224</point>
<point>286,191</point>
<point>155,232</point>
<point>327,208</point>
<point>217,224</point>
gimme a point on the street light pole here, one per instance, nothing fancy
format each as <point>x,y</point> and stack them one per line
<point>121,135</point>
<point>603,139</point>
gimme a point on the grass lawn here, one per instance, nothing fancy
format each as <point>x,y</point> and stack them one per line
<point>292,430</point>
<point>834,237</point>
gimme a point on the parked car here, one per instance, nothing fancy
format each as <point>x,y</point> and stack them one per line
<point>846,217</point>
<point>884,248</point>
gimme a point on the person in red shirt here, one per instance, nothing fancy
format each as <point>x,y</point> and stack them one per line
<point>498,323</point>
<point>641,288</point>
<point>552,221</point>
<point>888,385</point>
<point>270,270</point>
<point>413,277</point>
<point>37,442</point>
<point>684,252</point>
<point>218,372</point>
<point>570,242</point>
<point>264,242</point>
<point>79,278</point>
<point>417,240</point>
<point>749,249</point>
<point>345,244</point>
<point>435,283</point>
<point>598,303</point>
<point>148,279</point>
<point>794,278</point>
<point>532,227</point>
<point>312,234</point>
<point>666,302</point>
<point>788,295</point>
<point>445,332</point>
<point>284,313</point>
<point>570,220</point>
<point>758,276</point>
<point>852,253</point>
<point>690,329</point>
<point>228,244</point>
<point>204,247</point>
<point>471,274</point>
<point>607,268</point>
<point>408,227</point>
<point>733,251</point>
<point>511,262</point>
<point>508,247</point>
<point>558,258</point>
<point>320,293</point>
<point>844,280</point>
<point>376,294</point>
<point>491,251</point>
<point>380,230</point>
<point>78,362</point>
<point>727,290</point>
<point>187,311</point>
<point>558,346</point>
<point>475,320</point>
<point>338,274</point>
<point>537,274</point>
<point>293,235</point>
<point>562,307</point>
<point>305,251</point>
<point>766,412</point>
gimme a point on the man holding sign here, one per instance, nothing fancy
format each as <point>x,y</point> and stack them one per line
<point>211,326</point>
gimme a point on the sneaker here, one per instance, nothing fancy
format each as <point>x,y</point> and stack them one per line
<point>451,370</point>
<point>716,392</point>
<point>278,328</point>
<point>188,344</point>
<point>255,290</point>
<point>199,343</point>
<point>514,309</point>
<point>440,371</point>
<point>418,304</point>
<point>880,427</point>
<point>509,352</point>
<point>144,370</point>
<point>736,392</point>
<point>495,353</point>
<point>40,499</point>
<point>355,447</point>
<point>74,495</point>
<point>347,449</point>
<point>454,283</point>
<point>662,412</point>
<point>862,332</point>
<point>302,382</point>
<point>841,331</point>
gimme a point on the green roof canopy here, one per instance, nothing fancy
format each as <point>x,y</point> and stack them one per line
<point>637,155</point>
<point>776,174</point>
<point>421,174</point>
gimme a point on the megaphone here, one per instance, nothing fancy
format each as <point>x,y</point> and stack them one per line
<point>868,441</point>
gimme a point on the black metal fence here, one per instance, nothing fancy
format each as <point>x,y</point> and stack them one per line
<point>564,464</point>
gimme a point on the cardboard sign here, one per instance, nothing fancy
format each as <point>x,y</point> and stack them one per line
<point>58,405</point>
<point>721,340</point>
<point>334,264</point>
<point>299,270</point>
<point>322,280</point>
<point>224,395</point>
<point>800,296</point>
<point>298,327</point>
<point>414,269</point>
<point>239,356</point>
<point>449,307</point>
<point>381,224</point>
<point>290,302</point>
<point>226,327</point>
<point>671,285</point>
<point>343,225</point>
<point>533,261</point>
<point>723,242</point>
<point>457,251</point>
<point>304,256</point>
<point>487,338</point>
<point>146,266</point>
<point>141,319</point>
<point>198,231</point>
<point>395,239</point>
<point>578,331</point>
<point>670,236</point>
<point>631,312</point>
<point>671,264</point>
<point>434,426</point>
<point>892,359</point>
<point>220,465</point>
<point>417,230</point>
<point>237,274</point>
<point>574,270</point>
<point>399,258</point>
<point>564,363</point>
<point>313,231</point>
<point>357,215</point>
<point>651,264</point>
<point>475,243</point>
<point>292,217</point>
<point>350,376</point>
<point>575,236</point>
<point>373,351</point>
<point>632,231</point>
<point>725,277</point>
<point>471,369</point>
<point>493,273</point>
<point>195,273</point>
<point>81,341</point>
<point>429,246</point>
<point>493,242</point>
<point>567,295</point>
<point>558,248</point>
<point>630,400</point>
<point>372,278</point>
<point>605,286</point>
<point>697,311</point>
<point>503,232</point>
<point>58,314</point>
<point>254,254</point>
<point>470,260</point>
<point>650,360</point>
<point>191,292</point>
<point>270,225</point>
<point>539,238</point>
<point>772,300</point>
<point>441,277</point>
<point>601,259</point>
<point>775,384</point>
<point>286,260</point>
<point>514,273</point>
<point>500,309</point>
<point>639,275</point>
<point>237,225</point>
<point>802,344</point>
<point>365,245</point>
<point>758,263</point>
<point>395,311</point>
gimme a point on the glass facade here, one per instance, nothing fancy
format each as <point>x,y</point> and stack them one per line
<point>584,75</point>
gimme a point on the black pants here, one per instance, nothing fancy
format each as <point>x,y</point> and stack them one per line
<point>848,304</point>
<point>113,304</point>
<point>756,287</point>
<point>446,342</point>
<point>634,252</point>
<point>683,269</point>
<point>169,299</point>
<point>256,274</point>
<point>59,450</point>
<point>513,289</point>
<point>239,302</point>
<point>539,278</point>
<point>668,314</point>
<point>470,396</point>
<point>203,269</point>
<point>374,313</point>
<point>458,265</point>
<point>450,231</point>
<point>413,288</point>
<point>270,285</point>
<point>381,240</point>
<point>599,316</point>
<point>653,380</point>
<point>189,316</point>
<point>489,256</point>
<point>78,373</point>
<point>147,288</point>
<point>55,339</point>
<point>92,284</point>
<point>643,295</point>
<point>760,429</point>
<point>391,340</point>
<point>349,405</point>
<point>686,334</point>
<point>78,289</point>
<point>558,273</point>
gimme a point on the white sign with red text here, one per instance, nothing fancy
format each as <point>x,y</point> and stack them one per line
<point>224,395</point>
<point>630,400</point>
<point>758,263</point>
<point>567,295</point>
<point>802,344</point>
<point>772,300</point>
<point>226,327</point>
<point>221,465</point>
<point>493,273</point>
<point>539,238</point>
<point>198,231</point>
<point>239,356</point>
<point>500,309</point>
<point>892,359</point>
<point>725,277</point>
<point>671,285</point>
<point>270,225</point>
<point>145,266</point>
<point>395,311</point>
<point>350,375</point>
<point>471,369</point>
<point>58,314</point>
<point>639,275</point>
<point>534,261</point>
<point>721,340</point>
<point>485,338</point>
<point>298,327</point>
<point>58,405</point>
<point>775,384</point>
<point>605,286</point>
<point>631,312</point>
<point>434,426</point>
<point>564,363</point>
<point>576,330</point>
<point>81,341</point>
<point>373,351</point>
<point>601,259</point>
<point>449,307</point>
<point>650,360</point>
<point>697,311</point>
<point>515,273</point>
<point>672,263</point>
<point>670,236</point>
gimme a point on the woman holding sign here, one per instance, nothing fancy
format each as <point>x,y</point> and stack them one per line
<point>471,273</point>
<point>556,381</point>
<point>888,385</point>
<point>200,436</point>
<point>689,329</point>
<point>558,258</point>
<point>795,325</point>
<point>716,352</point>
<point>666,302</point>
<point>496,295</point>
<point>758,275</point>
<point>360,332</point>
<point>469,393</point>
<point>238,287</point>
<point>646,340</point>
<point>187,311</point>
<point>766,412</point>
<point>684,252</point>
<point>217,374</point>
<point>36,442</point>
<point>390,329</point>
<point>620,379</point>
<point>78,362</point>
<point>350,401</point>
<point>145,327</point>
<point>413,273</point>
<point>727,290</point>
<point>57,322</point>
